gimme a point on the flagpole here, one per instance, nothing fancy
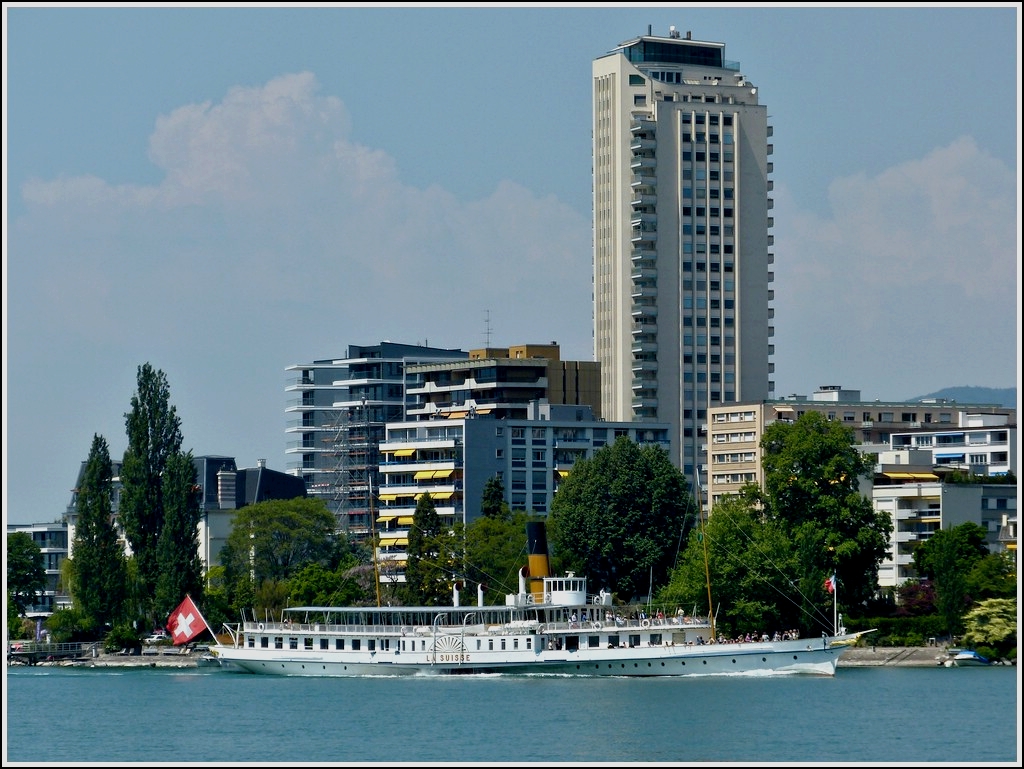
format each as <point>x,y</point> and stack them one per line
<point>835,605</point>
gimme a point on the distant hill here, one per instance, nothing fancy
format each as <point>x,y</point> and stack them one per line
<point>1000,396</point>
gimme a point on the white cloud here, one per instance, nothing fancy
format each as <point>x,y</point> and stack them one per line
<point>265,197</point>
<point>908,285</point>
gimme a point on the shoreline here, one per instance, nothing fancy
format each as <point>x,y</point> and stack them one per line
<point>861,656</point>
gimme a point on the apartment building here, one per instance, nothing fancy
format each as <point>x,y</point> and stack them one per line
<point>734,432</point>
<point>52,541</point>
<point>682,250</point>
<point>336,415</point>
<point>911,489</point>
<point>452,459</point>
<point>501,382</point>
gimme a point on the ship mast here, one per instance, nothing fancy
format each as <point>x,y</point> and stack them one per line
<point>707,570</point>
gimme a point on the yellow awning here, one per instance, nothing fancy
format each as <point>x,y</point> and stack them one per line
<point>483,411</point>
<point>898,475</point>
<point>405,520</point>
<point>783,408</point>
<point>386,517</point>
<point>925,476</point>
<point>443,473</point>
<point>405,452</point>
<point>564,473</point>
<point>388,497</point>
<point>422,475</point>
<point>456,414</point>
<point>397,541</point>
<point>441,494</point>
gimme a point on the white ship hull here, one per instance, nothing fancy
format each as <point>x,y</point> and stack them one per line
<point>451,654</point>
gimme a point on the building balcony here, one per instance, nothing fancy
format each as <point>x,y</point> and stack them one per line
<point>643,199</point>
<point>644,181</point>
<point>644,366</point>
<point>641,163</point>
<point>642,144</point>
<point>648,405</point>
<point>642,124</point>
<point>643,236</point>
<point>644,311</point>
<point>644,292</point>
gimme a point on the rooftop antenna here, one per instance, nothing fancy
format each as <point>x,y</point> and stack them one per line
<point>487,329</point>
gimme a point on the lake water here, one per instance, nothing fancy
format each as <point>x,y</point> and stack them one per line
<point>154,715</point>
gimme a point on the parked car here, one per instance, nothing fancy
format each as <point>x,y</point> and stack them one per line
<point>158,636</point>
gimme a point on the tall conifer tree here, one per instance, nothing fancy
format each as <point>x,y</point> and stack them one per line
<point>100,576</point>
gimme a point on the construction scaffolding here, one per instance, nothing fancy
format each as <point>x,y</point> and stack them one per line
<point>354,449</point>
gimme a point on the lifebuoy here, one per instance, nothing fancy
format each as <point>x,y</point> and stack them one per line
<point>595,625</point>
<point>645,623</point>
<point>260,626</point>
<point>540,628</point>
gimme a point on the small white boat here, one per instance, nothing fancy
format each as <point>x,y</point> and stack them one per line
<point>967,658</point>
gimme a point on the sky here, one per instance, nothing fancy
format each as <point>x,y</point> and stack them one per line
<point>223,192</point>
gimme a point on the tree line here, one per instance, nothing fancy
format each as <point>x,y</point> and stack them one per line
<point>626,518</point>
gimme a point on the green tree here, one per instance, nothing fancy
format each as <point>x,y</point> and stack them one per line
<point>154,436</point>
<point>992,623</point>
<point>26,573</point>
<point>432,557</point>
<point>992,576</point>
<point>181,568</point>
<point>317,585</point>
<point>495,552</point>
<point>272,541</point>
<point>753,568</point>
<point>965,544</point>
<point>492,503</point>
<point>812,473</point>
<point>100,573</point>
<point>946,558</point>
<point>619,516</point>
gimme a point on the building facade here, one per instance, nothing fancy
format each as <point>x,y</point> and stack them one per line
<point>336,415</point>
<point>682,247</point>
<point>452,459</point>
<point>920,502</point>
<point>734,432</point>
<point>52,541</point>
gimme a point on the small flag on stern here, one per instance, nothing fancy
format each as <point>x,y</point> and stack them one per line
<point>185,622</point>
<point>830,584</point>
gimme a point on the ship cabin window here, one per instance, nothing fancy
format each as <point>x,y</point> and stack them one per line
<point>490,644</point>
<point>655,639</point>
<point>293,643</point>
<point>593,641</point>
<point>278,642</point>
<point>529,643</point>
<point>339,644</point>
<point>503,644</point>
<point>251,642</point>
<point>355,644</point>
<point>613,642</point>
<point>515,643</point>
<point>371,645</point>
<point>479,644</point>
<point>634,640</point>
<point>264,642</point>
<point>307,644</point>
<point>324,644</point>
